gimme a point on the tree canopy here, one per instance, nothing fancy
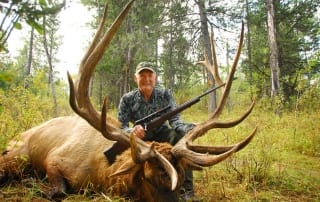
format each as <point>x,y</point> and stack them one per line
<point>15,13</point>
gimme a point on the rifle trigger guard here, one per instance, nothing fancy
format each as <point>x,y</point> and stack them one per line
<point>145,126</point>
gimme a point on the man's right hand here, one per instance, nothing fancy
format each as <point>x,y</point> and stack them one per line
<point>139,132</point>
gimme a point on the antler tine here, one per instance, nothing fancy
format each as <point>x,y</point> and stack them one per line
<point>214,123</point>
<point>80,102</point>
<point>201,155</point>
<point>215,71</point>
<point>96,38</point>
<point>195,153</point>
<point>227,87</point>
<point>222,149</point>
<point>212,68</point>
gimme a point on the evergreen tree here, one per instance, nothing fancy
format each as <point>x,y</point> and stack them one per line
<point>297,27</point>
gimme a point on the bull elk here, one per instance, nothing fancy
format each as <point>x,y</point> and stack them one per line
<point>69,150</point>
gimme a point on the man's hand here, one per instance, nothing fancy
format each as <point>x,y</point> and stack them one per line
<point>139,132</point>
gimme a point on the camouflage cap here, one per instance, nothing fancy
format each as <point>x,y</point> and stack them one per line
<point>145,65</point>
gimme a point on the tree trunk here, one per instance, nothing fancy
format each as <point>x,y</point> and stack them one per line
<point>274,54</point>
<point>249,48</point>
<point>128,61</point>
<point>206,43</point>
<point>30,56</point>
<point>48,51</point>
<point>171,70</point>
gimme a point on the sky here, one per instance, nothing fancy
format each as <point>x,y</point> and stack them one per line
<point>75,37</point>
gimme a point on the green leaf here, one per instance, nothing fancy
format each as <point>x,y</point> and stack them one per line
<point>17,25</point>
<point>43,3</point>
<point>35,25</point>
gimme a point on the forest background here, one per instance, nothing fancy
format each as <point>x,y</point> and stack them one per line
<point>279,68</point>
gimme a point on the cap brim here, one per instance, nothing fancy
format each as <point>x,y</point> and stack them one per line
<point>145,68</point>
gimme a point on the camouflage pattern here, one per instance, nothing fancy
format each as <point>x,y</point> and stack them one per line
<point>144,65</point>
<point>134,107</point>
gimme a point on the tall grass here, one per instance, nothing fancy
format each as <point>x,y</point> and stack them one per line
<point>21,109</point>
<point>280,164</point>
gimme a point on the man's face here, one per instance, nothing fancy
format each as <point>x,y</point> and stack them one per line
<point>146,80</point>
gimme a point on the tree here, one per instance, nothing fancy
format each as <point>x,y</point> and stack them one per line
<point>273,49</point>
<point>175,23</point>
<point>15,13</point>
<point>174,58</point>
<point>297,39</point>
<point>207,49</point>
<point>38,56</point>
<point>30,57</point>
<point>135,41</point>
<point>50,45</point>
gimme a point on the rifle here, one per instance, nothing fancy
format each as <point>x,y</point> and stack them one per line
<point>149,122</point>
<point>158,121</point>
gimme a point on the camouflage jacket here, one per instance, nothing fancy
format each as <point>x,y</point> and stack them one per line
<point>133,107</point>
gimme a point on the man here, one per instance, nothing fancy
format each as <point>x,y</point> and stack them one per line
<point>146,99</point>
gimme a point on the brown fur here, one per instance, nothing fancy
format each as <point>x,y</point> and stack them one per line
<point>70,152</point>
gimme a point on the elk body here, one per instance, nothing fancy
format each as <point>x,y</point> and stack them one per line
<point>69,150</point>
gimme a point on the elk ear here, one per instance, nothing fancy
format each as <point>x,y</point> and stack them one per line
<point>189,165</point>
<point>125,168</point>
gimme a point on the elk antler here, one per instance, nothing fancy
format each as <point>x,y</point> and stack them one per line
<point>201,154</point>
<point>213,69</point>
<point>81,104</point>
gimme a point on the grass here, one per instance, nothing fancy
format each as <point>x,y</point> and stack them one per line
<point>280,164</point>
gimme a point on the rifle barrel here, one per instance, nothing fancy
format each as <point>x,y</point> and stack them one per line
<point>211,90</point>
<point>151,115</point>
<point>160,120</point>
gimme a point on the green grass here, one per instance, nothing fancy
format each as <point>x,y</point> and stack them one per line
<point>280,164</point>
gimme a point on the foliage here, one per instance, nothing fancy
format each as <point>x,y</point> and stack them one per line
<point>308,96</point>
<point>297,28</point>
<point>5,78</point>
<point>167,34</point>
<point>174,59</point>
<point>134,42</point>
<point>21,109</point>
<point>15,13</point>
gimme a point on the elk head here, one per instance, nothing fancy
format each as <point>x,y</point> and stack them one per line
<point>194,156</point>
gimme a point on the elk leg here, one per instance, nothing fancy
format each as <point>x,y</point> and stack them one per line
<point>114,150</point>
<point>11,165</point>
<point>56,180</point>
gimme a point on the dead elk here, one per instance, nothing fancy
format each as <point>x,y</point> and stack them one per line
<point>70,149</point>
